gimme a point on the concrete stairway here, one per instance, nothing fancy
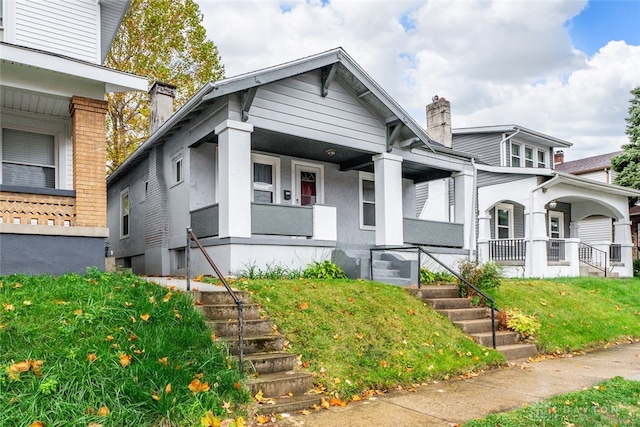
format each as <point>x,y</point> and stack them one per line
<point>475,321</point>
<point>271,369</point>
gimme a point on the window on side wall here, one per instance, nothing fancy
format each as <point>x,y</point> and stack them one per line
<point>367,201</point>
<point>125,211</point>
<point>528,156</point>
<point>177,169</point>
<point>515,155</point>
<point>265,176</point>
<point>542,159</point>
<point>28,159</point>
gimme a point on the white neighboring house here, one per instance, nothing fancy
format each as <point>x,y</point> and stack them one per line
<point>529,213</point>
<point>52,140</point>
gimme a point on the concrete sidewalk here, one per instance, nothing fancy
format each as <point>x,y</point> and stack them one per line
<point>453,402</point>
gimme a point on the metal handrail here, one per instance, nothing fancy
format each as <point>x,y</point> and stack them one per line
<point>236,300</point>
<point>585,248</point>
<point>490,301</point>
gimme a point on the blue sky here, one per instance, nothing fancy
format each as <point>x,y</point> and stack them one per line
<point>604,20</point>
<point>561,67</point>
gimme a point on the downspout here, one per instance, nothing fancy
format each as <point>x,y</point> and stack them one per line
<point>504,140</point>
<point>473,239</point>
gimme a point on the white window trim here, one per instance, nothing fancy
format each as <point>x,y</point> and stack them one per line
<point>275,164</point>
<point>523,159</point>
<point>297,165</point>
<point>57,154</point>
<point>560,216</point>
<point>509,209</point>
<point>364,176</point>
<point>546,159</point>
<point>533,158</point>
<point>177,161</point>
<point>520,156</point>
<point>123,193</point>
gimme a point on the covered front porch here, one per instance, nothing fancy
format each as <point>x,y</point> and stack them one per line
<point>537,232</point>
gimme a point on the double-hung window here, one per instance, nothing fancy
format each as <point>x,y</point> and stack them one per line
<point>28,159</point>
<point>528,157</point>
<point>504,221</point>
<point>542,159</point>
<point>515,155</point>
<point>125,210</point>
<point>367,201</point>
<point>266,172</point>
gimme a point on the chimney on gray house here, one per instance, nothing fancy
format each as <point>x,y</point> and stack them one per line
<point>439,121</point>
<point>558,157</point>
<point>161,95</point>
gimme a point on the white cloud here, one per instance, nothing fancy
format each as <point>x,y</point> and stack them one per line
<point>497,61</point>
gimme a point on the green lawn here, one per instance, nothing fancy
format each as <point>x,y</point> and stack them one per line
<point>108,349</point>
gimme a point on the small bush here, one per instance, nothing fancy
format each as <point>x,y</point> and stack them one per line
<point>485,277</point>
<point>323,270</point>
<point>522,323</point>
<point>636,268</point>
<point>432,278</point>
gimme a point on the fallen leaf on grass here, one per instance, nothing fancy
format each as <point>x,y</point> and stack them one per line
<point>37,424</point>
<point>196,386</point>
<point>263,419</point>
<point>209,420</point>
<point>8,307</point>
<point>324,403</point>
<point>91,357</point>
<point>304,306</point>
<point>125,360</point>
<point>104,411</point>
<point>144,317</point>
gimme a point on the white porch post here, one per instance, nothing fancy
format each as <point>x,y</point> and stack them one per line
<point>536,258</point>
<point>484,235</point>
<point>464,210</point>
<point>622,236</point>
<point>234,150</point>
<point>388,194</point>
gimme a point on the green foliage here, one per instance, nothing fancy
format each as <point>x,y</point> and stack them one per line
<point>636,268</point>
<point>435,277</point>
<point>524,324</point>
<point>271,271</point>
<point>165,41</point>
<point>323,270</point>
<point>356,336</point>
<point>608,404</point>
<point>627,164</point>
<point>83,330</point>
<point>485,277</point>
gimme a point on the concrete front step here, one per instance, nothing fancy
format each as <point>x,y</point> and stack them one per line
<point>435,291</point>
<point>281,384</point>
<point>449,303</point>
<point>269,363</point>
<point>386,272</point>
<point>229,328</point>
<point>502,338</point>
<point>517,351</point>
<point>474,326</point>
<point>255,344</point>
<point>229,311</point>
<point>279,405</point>
<point>465,313</point>
<point>222,297</point>
<point>399,281</point>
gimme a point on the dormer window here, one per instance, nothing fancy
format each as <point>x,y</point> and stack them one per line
<point>515,155</point>
<point>527,156</point>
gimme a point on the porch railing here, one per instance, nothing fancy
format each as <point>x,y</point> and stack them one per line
<point>593,256</point>
<point>507,249</point>
<point>615,253</point>
<point>236,300</point>
<point>490,302</point>
<point>556,250</point>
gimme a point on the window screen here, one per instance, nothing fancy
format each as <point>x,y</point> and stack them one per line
<point>28,159</point>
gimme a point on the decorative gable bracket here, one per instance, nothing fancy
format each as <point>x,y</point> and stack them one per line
<point>246,99</point>
<point>393,132</point>
<point>327,75</point>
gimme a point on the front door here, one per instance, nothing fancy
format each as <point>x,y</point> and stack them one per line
<point>308,182</point>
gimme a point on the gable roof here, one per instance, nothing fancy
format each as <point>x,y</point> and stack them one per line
<point>521,131</point>
<point>335,62</point>
<point>588,164</point>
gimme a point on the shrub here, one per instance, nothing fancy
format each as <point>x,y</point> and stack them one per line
<point>485,277</point>
<point>431,278</point>
<point>522,323</point>
<point>636,268</point>
<point>323,270</point>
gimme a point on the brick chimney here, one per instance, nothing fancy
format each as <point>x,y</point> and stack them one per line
<point>558,157</point>
<point>439,121</point>
<point>161,95</point>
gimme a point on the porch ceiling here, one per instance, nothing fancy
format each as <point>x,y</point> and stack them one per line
<point>32,102</point>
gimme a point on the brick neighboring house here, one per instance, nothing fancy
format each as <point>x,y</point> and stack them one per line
<point>53,138</point>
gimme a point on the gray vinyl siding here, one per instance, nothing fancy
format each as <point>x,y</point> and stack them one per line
<point>595,228</point>
<point>485,147</point>
<point>56,26</point>
<point>292,106</point>
<point>491,178</point>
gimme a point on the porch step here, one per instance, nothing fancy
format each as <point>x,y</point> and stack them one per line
<point>283,387</point>
<point>435,291</point>
<point>518,351</point>
<point>474,326</point>
<point>385,272</point>
<point>399,281</point>
<point>449,303</point>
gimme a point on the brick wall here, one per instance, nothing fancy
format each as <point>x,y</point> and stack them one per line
<point>89,160</point>
<point>37,209</point>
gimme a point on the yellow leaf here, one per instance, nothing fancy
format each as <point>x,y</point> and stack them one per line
<point>177,314</point>
<point>92,424</point>
<point>128,304</point>
<point>410,312</point>
<point>152,299</point>
<point>37,424</point>
<point>91,357</point>
<point>198,387</point>
<point>155,397</point>
<point>167,297</point>
<point>356,398</point>
<point>240,422</point>
<point>163,361</point>
<point>304,306</point>
<point>133,319</point>
<point>104,411</point>
<point>543,303</point>
<point>324,403</point>
<point>78,312</point>
<point>383,363</point>
<point>167,389</point>
<point>108,338</point>
<point>26,303</point>
<point>125,360</point>
<point>263,419</point>
<point>337,402</point>
<point>8,307</point>
<point>145,317</point>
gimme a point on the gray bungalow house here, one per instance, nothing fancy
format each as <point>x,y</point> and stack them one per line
<point>295,163</point>
<point>529,213</point>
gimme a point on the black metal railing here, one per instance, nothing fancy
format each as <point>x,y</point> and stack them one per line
<point>490,302</point>
<point>556,250</point>
<point>236,300</point>
<point>615,253</point>
<point>594,257</point>
<point>507,249</point>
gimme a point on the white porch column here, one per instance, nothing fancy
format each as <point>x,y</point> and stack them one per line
<point>572,255</point>
<point>536,258</point>
<point>234,201</point>
<point>388,193</point>
<point>484,235</point>
<point>464,212</point>
<point>622,236</point>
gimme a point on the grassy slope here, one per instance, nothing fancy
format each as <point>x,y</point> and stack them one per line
<point>576,313</point>
<point>67,321</point>
<point>357,336</point>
